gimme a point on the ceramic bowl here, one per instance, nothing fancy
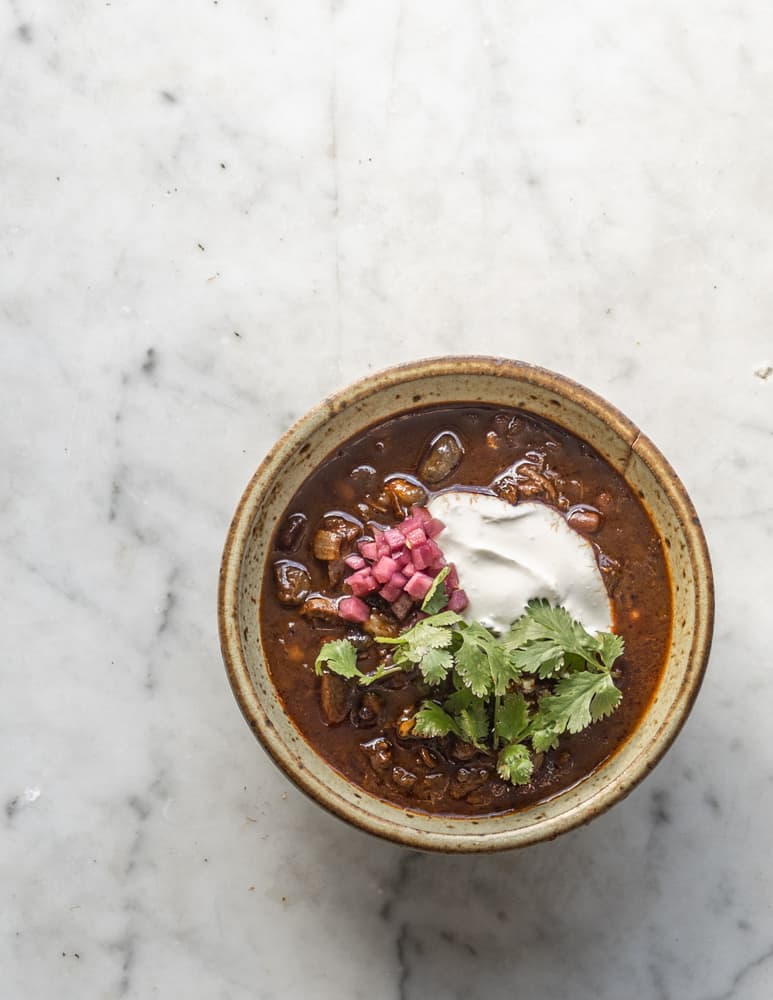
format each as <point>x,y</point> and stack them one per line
<point>437,381</point>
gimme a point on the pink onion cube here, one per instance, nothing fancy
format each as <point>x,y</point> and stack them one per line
<point>384,569</point>
<point>418,585</point>
<point>361,582</point>
<point>435,554</point>
<point>394,539</point>
<point>457,601</point>
<point>352,609</point>
<point>368,550</point>
<point>433,527</point>
<point>415,537</point>
<point>422,556</point>
<point>408,524</point>
<point>355,562</point>
<point>390,593</point>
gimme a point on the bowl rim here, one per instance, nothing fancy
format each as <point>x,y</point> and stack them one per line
<point>393,829</point>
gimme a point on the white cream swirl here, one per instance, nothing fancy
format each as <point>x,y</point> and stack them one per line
<point>506,555</point>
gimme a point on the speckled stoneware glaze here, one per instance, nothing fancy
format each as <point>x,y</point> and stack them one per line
<point>470,380</point>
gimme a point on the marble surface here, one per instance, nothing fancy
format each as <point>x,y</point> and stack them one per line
<point>215,212</point>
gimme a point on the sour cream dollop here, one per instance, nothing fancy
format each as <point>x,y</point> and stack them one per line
<point>507,555</point>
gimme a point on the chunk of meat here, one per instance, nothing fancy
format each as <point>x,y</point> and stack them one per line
<point>335,696</point>
<point>403,494</point>
<point>378,752</point>
<point>468,779</point>
<point>320,608</point>
<point>432,787</point>
<point>462,751</point>
<point>443,456</point>
<point>402,606</point>
<point>327,545</point>
<point>506,487</point>
<point>347,527</point>
<point>533,483</point>
<point>367,712</point>
<point>379,624</point>
<point>336,569</point>
<point>525,481</point>
<point>334,537</point>
<point>292,581</point>
<point>404,779</point>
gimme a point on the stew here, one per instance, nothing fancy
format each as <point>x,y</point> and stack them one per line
<point>372,484</point>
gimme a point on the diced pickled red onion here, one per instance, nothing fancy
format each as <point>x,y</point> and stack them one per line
<point>384,568</point>
<point>390,592</point>
<point>395,539</point>
<point>352,609</point>
<point>415,537</point>
<point>458,600</point>
<point>433,527</point>
<point>400,564</point>
<point>368,551</point>
<point>362,582</point>
<point>418,585</point>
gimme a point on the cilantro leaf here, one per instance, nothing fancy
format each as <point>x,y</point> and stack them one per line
<point>557,624</point>
<point>480,660</point>
<point>610,647</point>
<point>340,657</point>
<point>606,699</point>
<point>578,700</point>
<point>542,737</point>
<point>489,676</point>
<point>444,619</point>
<point>514,764</point>
<point>547,641</point>
<point>431,720</point>
<point>425,635</point>
<point>435,664</point>
<point>523,631</point>
<point>436,598</point>
<point>461,698</point>
<point>473,722</point>
<point>511,717</point>
<point>543,657</point>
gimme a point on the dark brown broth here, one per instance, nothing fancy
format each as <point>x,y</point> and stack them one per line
<point>637,582</point>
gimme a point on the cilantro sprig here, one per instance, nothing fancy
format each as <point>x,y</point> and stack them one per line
<point>515,695</point>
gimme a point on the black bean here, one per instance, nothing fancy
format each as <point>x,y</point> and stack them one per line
<point>291,533</point>
<point>442,458</point>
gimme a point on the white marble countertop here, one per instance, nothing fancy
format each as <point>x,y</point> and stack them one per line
<point>215,212</point>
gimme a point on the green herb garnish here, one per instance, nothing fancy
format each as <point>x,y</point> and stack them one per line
<point>514,695</point>
<point>436,598</point>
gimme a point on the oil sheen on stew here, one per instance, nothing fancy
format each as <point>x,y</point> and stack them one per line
<point>374,478</point>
